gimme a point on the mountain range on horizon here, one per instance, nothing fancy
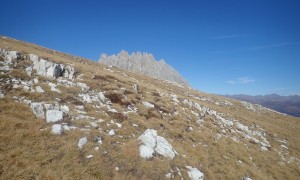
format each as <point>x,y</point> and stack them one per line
<point>286,104</point>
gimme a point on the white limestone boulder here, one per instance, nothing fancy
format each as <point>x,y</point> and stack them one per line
<point>111,132</point>
<point>148,105</point>
<point>152,143</point>
<point>82,142</point>
<point>163,147</point>
<point>54,115</point>
<point>38,109</point>
<point>39,89</point>
<point>146,152</point>
<point>1,95</point>
<point>101,97</point>
<point>29,70</point>
<point>136,88</point>
<point>194,173</point>
<point>57,129</point>
<point>83,86</point>
<point>69,72</point>
<point>65,109</point>
<point>85,98</point>
<point>53,87</point>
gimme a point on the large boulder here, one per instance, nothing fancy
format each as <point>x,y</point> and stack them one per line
<point>54,115</point>
<point>151,143</point>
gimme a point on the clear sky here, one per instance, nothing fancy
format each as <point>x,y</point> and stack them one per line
<point>219,46</point>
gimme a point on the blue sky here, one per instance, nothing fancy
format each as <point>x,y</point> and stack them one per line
<point>225,47</point>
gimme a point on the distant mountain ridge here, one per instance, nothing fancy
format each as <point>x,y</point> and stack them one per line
<point>285,104</point>
<point>143,63</point>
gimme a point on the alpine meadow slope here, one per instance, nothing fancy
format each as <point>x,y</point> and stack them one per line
<point>66,117</point>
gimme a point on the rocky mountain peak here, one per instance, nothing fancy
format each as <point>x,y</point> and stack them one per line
<point>144,63</point>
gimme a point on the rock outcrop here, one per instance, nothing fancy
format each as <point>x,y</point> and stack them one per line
<point>144,63</point>
<point>50,69</point>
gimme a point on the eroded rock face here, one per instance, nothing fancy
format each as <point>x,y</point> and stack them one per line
<point>143,63</point>
<point>50,69</point>
<point>151,143</point>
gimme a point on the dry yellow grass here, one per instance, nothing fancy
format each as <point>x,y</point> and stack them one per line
<point>26,152</point>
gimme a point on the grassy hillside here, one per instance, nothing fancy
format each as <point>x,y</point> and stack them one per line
<point>223,138</point>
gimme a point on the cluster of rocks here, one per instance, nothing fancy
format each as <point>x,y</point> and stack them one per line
<point>143,63</point>
<point>50,69</point>
<point>52,114</point>
<point>230,126</point>
<point>248,106</point>
<point>42,66</point>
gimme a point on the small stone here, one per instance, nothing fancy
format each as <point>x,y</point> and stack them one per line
<point>56,129</point>
<point>89,156</point>
<point>118,125</point>
<point>112,111</point>
<point>39,89</point>
<point>85,98</point>
<point>82,142</point>
<point>66,128</point>
<point>29,70</point>
<point>135,125</point>
<point>27,102</point>
<point>148,105</point>
<point>101,97</point>
<point>26,88</point>
<point>263,148</point>
<point>94,125</point>
<point>64,108</point>
<point>16,86</point>
<point>35,80</point>
<point>190,128</point>
<point>168,176</point>
<point>112,132</point>
<point>38,110</point>
<point>80,107</point>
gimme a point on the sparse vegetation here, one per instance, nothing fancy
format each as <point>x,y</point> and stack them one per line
<point>28,150</point>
